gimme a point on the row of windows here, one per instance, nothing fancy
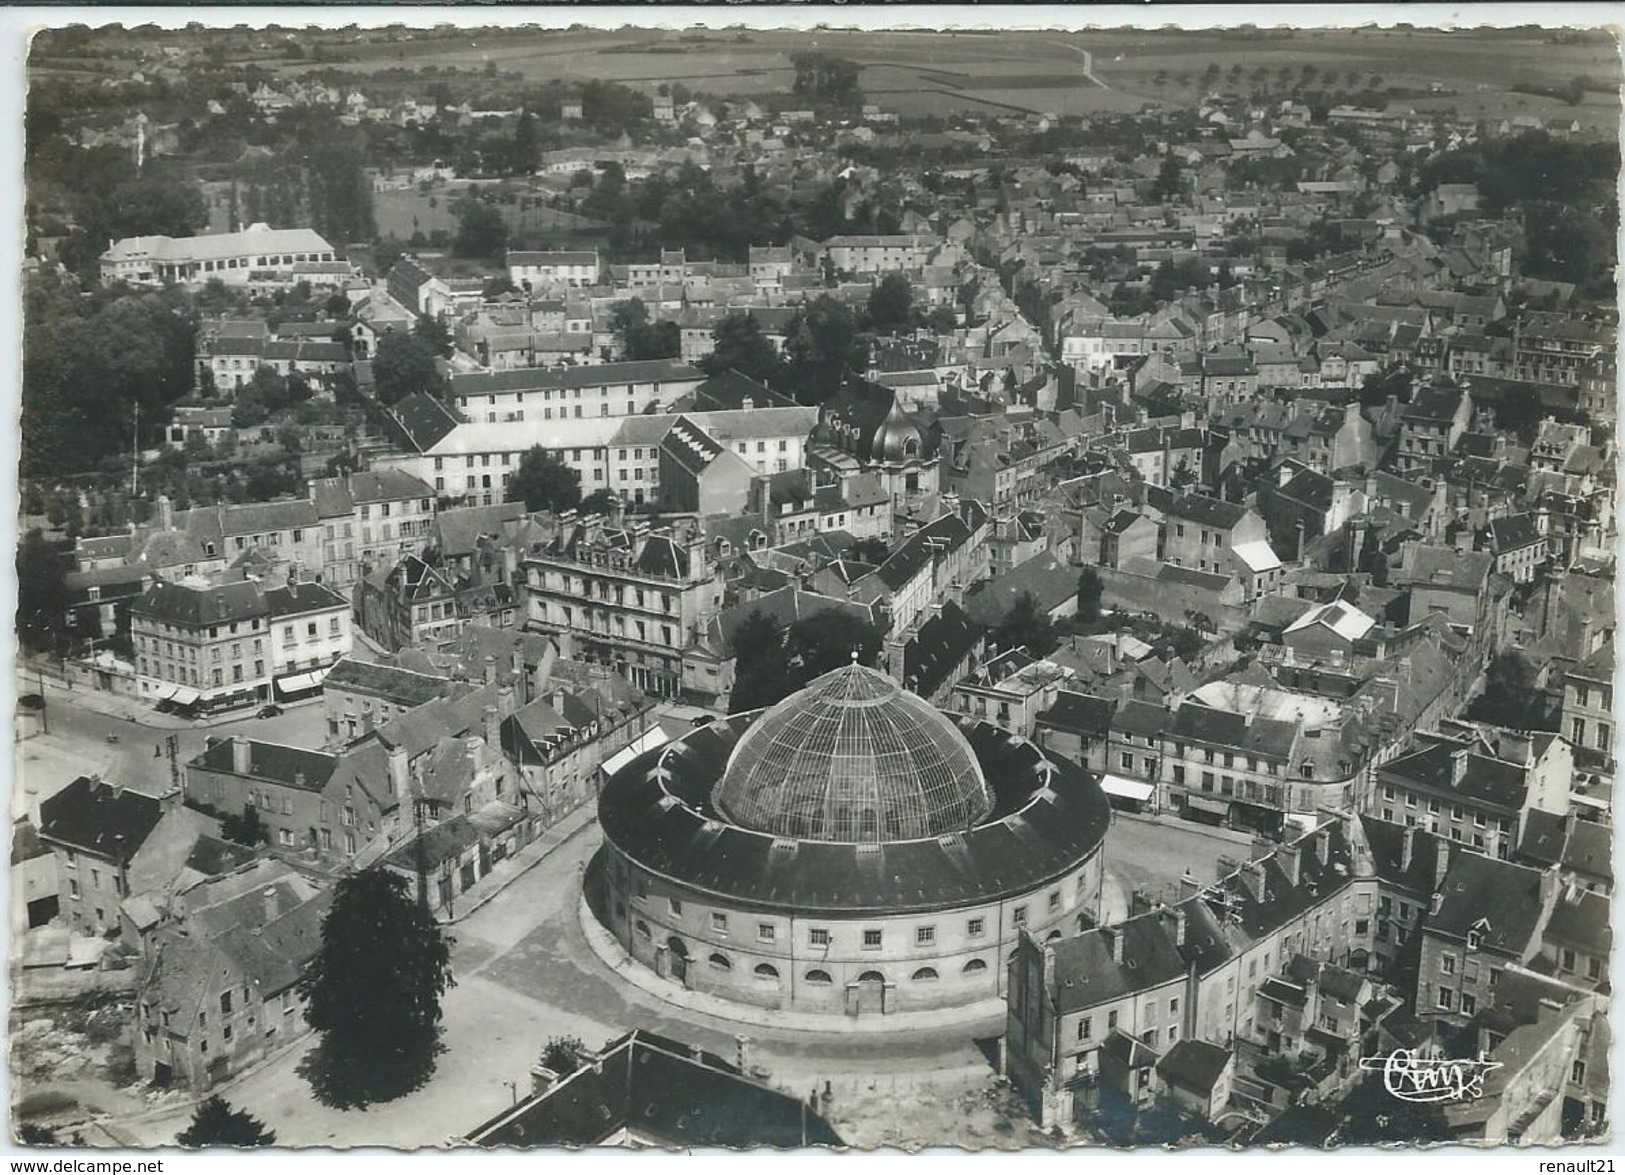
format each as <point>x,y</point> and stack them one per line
<point>873,938</point>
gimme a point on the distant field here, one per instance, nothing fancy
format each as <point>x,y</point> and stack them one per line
<point>401,213</point>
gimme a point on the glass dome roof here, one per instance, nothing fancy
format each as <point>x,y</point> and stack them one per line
<point>854,757</point>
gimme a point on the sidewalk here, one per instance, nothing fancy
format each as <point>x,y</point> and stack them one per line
<point>507,872</point>
<point>134,709</point>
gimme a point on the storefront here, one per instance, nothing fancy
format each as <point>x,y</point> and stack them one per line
<point>1129,795</point>
<point>297,687</point>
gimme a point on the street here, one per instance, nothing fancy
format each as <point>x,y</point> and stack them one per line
<point>77,744</point>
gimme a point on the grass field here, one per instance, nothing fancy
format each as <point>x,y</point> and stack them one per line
<point>940,73</point>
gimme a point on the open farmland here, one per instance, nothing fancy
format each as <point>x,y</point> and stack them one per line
<point>920,73</point>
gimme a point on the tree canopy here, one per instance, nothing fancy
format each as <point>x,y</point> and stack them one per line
<point>543,482</point>
<point>1090,589</point>
<point>773,662</point>
<point>42,594</point>
<point>481,231</point>
<point>822,345</point>
<point>373,990</point>
<point>403,366</point>
<point>215,1123</point>
<point>891,303</point>
<point>1026,626</point>
<point>739,344</point>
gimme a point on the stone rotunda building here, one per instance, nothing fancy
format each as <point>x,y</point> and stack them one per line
<point>850,851</point>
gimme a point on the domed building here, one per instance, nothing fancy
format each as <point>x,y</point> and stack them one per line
<point>864,427</point>
<point>851,850</point>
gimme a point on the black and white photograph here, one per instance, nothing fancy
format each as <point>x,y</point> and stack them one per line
<point>724,578</point>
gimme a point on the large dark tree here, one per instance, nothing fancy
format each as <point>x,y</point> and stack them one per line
<point>481,231</point>
<point>543,482</point>
<point>891,303</point>
<point>42,594</point>
<point>739,344</point>
<point>827,640</point>
<point>1026,626</point>
<point>373,991</point>
<point>1090,589</point>
<point>762,676</point>
<point>822,344</point>
<point>215,1123</point>
<point>1511,695</point>
<point>402,366</point>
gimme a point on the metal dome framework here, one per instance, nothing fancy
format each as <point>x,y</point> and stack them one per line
<point>853,758</point>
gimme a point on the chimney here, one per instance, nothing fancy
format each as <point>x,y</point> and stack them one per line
<point>1323,845</point>
<point>166,513</point>
<point>1441,866</point>
<point>1458,767</point>
<point>493,728</point>
<point>505,697</point>
<point>521,687</point>
<point>1291,862</point>
<point>742,1053</point>
<point>1189,887</point>
<point>397,770</point>
<point>542,1079</point>
<point>299,780</point>
<point>270,903</point>
<point>1407,849</point>
<point>1179,926</point>
<point>239,755</point>
<point>490,670</point>
<point>1114,940</point>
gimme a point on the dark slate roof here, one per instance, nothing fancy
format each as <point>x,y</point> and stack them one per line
<point>1580,919</point>
<point>939,647</point>
<point>1035,833</point>
<point>1194,1065</point>
<point>594,375</point>
<point>1433,405</point>
<point>1387,843</point>
<point>295,599</point>
<point>1205,511</point>
<point>435,845</point>
<point>1265,736</point>
<point>730,389</point>
<point>1483,779</point>
<point>188,607</point>
<point>658,1088</point>
<point>1504,901</point>
<point>214,856</point>
<point>1514,532</point>
<point>425,420</point>
<point>93,815</point>
<point>1081,713</point>
<point>271,761</point>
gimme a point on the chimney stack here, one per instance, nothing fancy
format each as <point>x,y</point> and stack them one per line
<point>270,904</point>
<point>239,755</point>
<point>1291,862</point>
<point>166,513</point>
<point>1441,866</point>
<point>397,770</point>
<point>1114,939</point>
<point>1407,849</point>
<point>490,670</point>
<point>493,728</point>
<point>1189,887</point>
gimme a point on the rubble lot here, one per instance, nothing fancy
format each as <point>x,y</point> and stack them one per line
<point>976,1114</point>
<point>71,1060</point>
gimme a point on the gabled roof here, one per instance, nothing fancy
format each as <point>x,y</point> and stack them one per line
<point>1504,903</point>
<point>99,817</point>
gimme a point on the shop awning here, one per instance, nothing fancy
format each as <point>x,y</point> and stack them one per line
<point>1203,804</point>
<point>1128,789</point>
<point>164,692</point>
<point>296,683</point>
<point>185,696</point>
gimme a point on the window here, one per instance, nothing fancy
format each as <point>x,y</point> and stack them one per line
<point>676,907</point>
<point>818,936</point>
<point>819,977</point>
<point>719,923</point>
<point>1566,959</point>
<point>1055,900</point>
<point>1447,964</point>
<point>225,1003</point>
<point>1173,1006</point>
<point>719,962</point>
<point>1086,1028</point>
<point>925,936</point>
<point>871,940</point>
<point>1446,999</point>
<point>765,931</point>
<point>976,927</point>
<point>1111,1021</point>
<point>1018,916</point>
<point>925,975</point>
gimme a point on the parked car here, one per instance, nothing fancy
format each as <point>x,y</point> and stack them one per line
<point>270,711</point>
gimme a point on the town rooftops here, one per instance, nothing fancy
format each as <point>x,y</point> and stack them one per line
<point>1510,923</point>
<point>257,238</point>
<point>273,762</point>
<point>1514,532</point>
<point>400,686</point>
<point>529,379</point>
<point>295,599</point>
<point>1205,511</point>
<point>199,607</point>
<point>99,817</point>
<point>1194,1065</point>
<point>658,1089</point>
<point>557,257</point>
<point>1079,713</point>
<point>1453,769</point>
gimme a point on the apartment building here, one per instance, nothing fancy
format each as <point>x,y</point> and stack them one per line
<point>232,258</point>
<point>633,597</point>
<point>572,393</point>
<point>571,267</point>
<point>370,520</point>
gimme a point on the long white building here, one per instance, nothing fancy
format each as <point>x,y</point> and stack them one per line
<point>474,460</point>
<point>598,392</point>
<point>231,257</point>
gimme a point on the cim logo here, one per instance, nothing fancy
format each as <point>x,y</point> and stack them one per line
<point>1411,1077</point>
